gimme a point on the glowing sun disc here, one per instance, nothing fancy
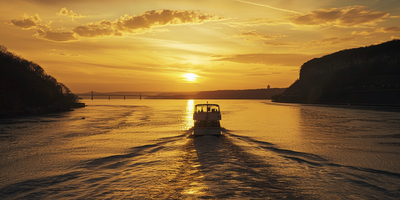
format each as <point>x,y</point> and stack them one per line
<point>190,76</point>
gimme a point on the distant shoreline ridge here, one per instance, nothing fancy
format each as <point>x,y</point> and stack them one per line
<point>215,94</point>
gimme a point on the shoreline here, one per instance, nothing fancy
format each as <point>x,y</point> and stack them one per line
<point>39,111</point>
<point>376,107</point>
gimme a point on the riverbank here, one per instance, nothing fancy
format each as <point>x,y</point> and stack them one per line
<point>353,98</point>
<point>29,111</point>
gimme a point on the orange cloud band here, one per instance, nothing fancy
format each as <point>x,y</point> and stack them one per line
<point>125,25</point>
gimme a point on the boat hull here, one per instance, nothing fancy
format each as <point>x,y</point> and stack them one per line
<point>207,131</point>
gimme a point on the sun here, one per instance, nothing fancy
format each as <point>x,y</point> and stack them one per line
<point>190,77</point>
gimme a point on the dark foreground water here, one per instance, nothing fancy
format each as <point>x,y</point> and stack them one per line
<point>116,149</point>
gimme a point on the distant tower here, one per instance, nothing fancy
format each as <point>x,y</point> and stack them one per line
<point>268,87</point>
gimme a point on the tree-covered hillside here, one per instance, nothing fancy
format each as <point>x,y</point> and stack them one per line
<point>26,89</point>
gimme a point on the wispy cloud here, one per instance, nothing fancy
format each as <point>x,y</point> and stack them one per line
<point>69,13</point>
<point>330,41</point>
<point>252,35</point>
<point>346,17</point>
<point>266,59</point>
<point>394,38</point>
<point>55,52</point>
<point>98,29</point>
<point>27,22</point>
<point>252,22</point>
<point>56,36</point>
<point>310,44</point>
<point>367,33</point>
<point>267,6</point>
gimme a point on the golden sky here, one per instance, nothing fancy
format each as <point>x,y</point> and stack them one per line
<point>188,45</point>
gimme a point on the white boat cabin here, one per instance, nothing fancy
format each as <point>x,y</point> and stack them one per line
<point>206,119</point>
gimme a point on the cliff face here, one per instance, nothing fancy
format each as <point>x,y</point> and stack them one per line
<point>367,75</point>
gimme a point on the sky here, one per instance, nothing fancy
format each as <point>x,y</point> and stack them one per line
<point>188,45</point>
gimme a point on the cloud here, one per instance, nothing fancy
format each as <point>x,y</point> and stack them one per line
<point>253,22</point>
<point>143,23</point>
<point>251,35</point>
<point>124,25</point>
<point>70,13</point>
<point>267,59</point>
<point>64,54</point>
<point>389,29</point>
<point>331,41</point>
<point>282,44</point>
<point>268,6</point>
<point>99,29</point>
<point>55,36</point>
<point>395,38</point>
<point>43,31</point>
<point>27,22</point>
<point>346,16</point>
<point>367,33</point>
<point>264,74</point>
<point>310,44</point>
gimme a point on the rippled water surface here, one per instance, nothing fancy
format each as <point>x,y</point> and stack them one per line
<point>142,149</point>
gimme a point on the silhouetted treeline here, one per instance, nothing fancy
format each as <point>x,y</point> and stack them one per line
<point>366,75</point>
<point>26,89</point>
<point>226,94</point>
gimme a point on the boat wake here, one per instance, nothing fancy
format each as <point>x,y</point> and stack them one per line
<point>228,166</point>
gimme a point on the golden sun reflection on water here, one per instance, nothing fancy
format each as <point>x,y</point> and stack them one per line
<point>188,120</point>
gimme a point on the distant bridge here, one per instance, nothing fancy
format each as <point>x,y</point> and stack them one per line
<point>92,95</point>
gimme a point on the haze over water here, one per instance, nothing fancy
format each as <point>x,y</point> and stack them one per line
<point>136,149</point>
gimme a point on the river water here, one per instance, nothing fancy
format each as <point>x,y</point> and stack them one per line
<point>142,149</point>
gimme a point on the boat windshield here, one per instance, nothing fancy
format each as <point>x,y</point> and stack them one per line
<point>206,108</point>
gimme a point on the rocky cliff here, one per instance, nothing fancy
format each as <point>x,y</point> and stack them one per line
<point>367,75</point>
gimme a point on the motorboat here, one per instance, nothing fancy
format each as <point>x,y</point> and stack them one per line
<point>206,119</point>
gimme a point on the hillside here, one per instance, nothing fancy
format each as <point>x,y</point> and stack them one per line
<point>367,75</point>
<point>26,89</point>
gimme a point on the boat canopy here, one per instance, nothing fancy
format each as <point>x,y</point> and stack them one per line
<point>199,108</point>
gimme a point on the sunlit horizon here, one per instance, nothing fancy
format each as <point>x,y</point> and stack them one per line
<point>156,45</point>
